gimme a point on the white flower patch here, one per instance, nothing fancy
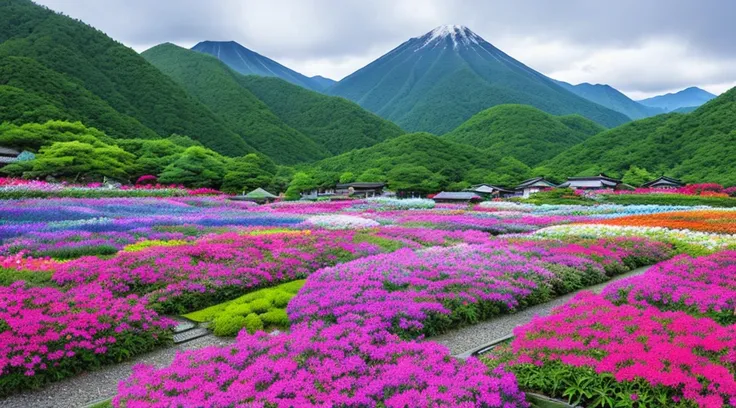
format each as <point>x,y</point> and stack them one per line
<point>341,222</point>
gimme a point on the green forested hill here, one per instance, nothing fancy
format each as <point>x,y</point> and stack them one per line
<point>523,132</point>
<point>110,71</point>
<point>336,123</point>
<point>285,121</point>
<point>218,87</point>
<point>697,147</point>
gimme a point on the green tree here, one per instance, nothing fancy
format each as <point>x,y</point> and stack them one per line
<point>74,160</point>
<point>347,177</point>
<point>300,183</point>
<point>509,172</point>
<point>248,173</point>
<point>636,176</point>
<point>372,175</point>
<point>414,179</point>
<point>196,167</point>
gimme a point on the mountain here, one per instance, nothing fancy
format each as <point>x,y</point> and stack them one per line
<point>685,109</point>
<point>696,147</point>
<point>87,76</point>
<point>248,62</point>
<point>289,123</point>
<point>524,132</point>
<point>611,98</point>
<point>323,82</point>
<point>692,96</point>
<point>335,123</point>
<point>218,87</point>
<point>437,81</point>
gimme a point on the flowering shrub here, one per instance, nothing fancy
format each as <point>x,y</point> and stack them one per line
<point>21,262</point>
<point>204,192</point>
<point>315,366</point>
<point>141,245</point>
<point>146,179</point>
<point>47,334</point>
<point>718,221</point>
<point>218,267</point>
<point>415,293</point>
<point>684,240</point>
<point>596,353</point>
<point>704,286</point>
<point>341,222</point>
<point>384,203</point>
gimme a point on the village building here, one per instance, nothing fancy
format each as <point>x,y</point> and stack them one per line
<point>8,156</point>
<point>317,193</point>
<point>490,191</point>
<point>258,195</point>
<point>534,185</point>
<point>664,182</point>
<point>457,197</point>
<point>360,189</point>
<point>599,182</point>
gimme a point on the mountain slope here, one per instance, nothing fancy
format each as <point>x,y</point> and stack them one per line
<point>696,147</point>
<point>611,98</point>
<point>217,86</point>
<point>287,122</point>
<point>248,62</point>
<point>521,131</point>
<point>323,82</point>
<point>335,123</point>
<point>115,74</point>
<point>439,80</point>
<point>688,97</point>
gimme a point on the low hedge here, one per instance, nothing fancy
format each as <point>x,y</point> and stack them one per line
<point>259,310</point>
<point>669,199</point>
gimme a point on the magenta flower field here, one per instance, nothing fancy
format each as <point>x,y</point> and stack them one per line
<point>85,283</point>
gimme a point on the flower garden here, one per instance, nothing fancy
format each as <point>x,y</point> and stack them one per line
<point>337,303</point>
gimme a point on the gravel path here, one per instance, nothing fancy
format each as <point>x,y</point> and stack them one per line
<point>464,341</point>
<point>91,386</point>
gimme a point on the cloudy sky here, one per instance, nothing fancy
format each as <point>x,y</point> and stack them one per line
<point>641,47</point>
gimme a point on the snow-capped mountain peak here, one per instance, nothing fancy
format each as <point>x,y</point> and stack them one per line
<point>458,35</point>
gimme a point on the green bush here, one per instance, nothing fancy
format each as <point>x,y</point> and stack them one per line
<point>259,310</point>
<point>670,199</point>
<point>77,252</point>
<point>32,278</point>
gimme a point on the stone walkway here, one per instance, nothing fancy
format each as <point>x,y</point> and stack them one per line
<point>462,342</point>
<point>92,386</point>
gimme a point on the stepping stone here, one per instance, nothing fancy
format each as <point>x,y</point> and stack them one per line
<point>184,325</point>
<point>190,335</point>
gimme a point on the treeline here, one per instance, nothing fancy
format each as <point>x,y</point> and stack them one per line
<point>74,152</point>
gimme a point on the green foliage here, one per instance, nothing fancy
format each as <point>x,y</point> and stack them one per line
<point>262,309</point>
<point>197,167</point>
<point>219,88</point>
<point>509,172</point>
<point>611,98</point>
<point>87,76</point>
<point>696,147</point>
<point>418,162</point>
<point>347,177</point>
<point>523,132</point>
<point>300,183</point>
<point>637,176</point>
<point>334,123</point>
<point>670,199</point>
<point>33,136</point>
<point>435,89</point>
<point>72,159</point>
<point>248,173</point>
<point>32,278</point>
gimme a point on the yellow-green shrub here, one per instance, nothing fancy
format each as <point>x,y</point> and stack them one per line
<point>139,246</point>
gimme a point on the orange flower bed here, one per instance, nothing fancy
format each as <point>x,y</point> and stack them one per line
<point>722,222</point>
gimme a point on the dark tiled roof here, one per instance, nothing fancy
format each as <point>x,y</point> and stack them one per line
<point>361,185</point>
<point>459,195</point>
<point>665,179</point>
<point>598,177</point>
<point>531,181</point>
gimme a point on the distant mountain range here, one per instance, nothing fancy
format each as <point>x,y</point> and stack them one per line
<point>612,98</point>
<point>249,62</point>
<point>437,81</point>
<point>687,98</point>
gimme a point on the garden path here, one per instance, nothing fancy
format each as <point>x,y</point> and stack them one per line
<point>462,342</point>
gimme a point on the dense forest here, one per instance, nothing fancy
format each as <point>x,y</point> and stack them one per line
<point>696,147</point>
<point>524,132</point>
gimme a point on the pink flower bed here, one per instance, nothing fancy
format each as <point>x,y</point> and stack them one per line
<point>46,334</point>
<point>425,292</point>
<point>215,268</point>
<point>319,366</point>
<point>21,262</point>
<point>704,286</point>
<point>667,357</point>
